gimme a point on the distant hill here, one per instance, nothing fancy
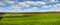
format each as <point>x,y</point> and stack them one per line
<point>26,12</point>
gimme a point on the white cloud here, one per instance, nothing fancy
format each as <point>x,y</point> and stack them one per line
<point>23,4</point>
<point>2,4</point>
<point>15,6</point>
<point>53,7</point>
<point>58,5</point>
<point>14,10</point>
<point>33,9</point>
<point>39,3</point>
<point>28,3</point>
<point>49,1</point>
<point>9,1</point>
<point>35,3</point>
<point>20,5</point>
<point>50,6</point>
<point>45,7</point>
<point>1,9</point>
<point>32,3</point>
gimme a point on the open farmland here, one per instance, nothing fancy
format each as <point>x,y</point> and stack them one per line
<point>35,19</point>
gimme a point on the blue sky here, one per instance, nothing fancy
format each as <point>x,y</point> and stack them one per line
<point>29,5</point>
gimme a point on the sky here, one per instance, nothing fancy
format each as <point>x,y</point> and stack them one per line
<point>29,5</point>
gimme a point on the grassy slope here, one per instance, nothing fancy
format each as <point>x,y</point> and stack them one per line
<point>38,19</point>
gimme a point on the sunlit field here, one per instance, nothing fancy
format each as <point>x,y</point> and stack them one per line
<point>31,19</point>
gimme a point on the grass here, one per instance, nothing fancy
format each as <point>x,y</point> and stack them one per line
<point>38,19</point>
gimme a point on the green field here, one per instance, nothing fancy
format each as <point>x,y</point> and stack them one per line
<point>37,19</point>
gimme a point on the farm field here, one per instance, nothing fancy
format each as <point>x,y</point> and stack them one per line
<point>37,19</point>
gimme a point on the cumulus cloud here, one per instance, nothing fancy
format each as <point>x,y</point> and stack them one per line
<point>2,4</point>
<point>58,5</point>
<point>18,5</point>
<point>35,3</point>
<point>39,3</point>
<point>15,6</point>
<point>33,9</point>
<point>48,1</point>
<point>23,4</point>
<point>45,7</point>
<point>14,10</point>
<point>53,7</point>
<point>28,3</point>
<point>1,9</point>
<point>9,1</point>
